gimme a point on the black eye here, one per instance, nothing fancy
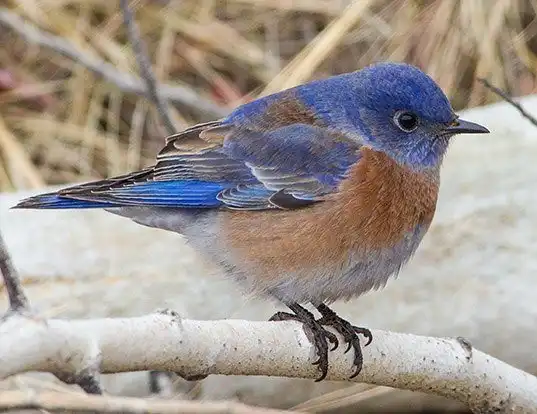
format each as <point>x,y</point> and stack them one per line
<point>406,121</point>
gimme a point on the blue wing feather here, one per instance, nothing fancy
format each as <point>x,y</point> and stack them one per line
<point>198,194</point>
<point>247,197</point>
<point>304,160</point>
<point>179,194</point>
<point>279,156</point>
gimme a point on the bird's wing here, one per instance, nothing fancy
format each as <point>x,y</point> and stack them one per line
<point>197,175</point>
<point>295,165</point>
<point>225,164</point>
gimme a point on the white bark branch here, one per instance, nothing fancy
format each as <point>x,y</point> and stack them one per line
<point>164,341</point>
<point>83,403</point>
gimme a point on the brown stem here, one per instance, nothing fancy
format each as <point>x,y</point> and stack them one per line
<point>17,298</point>
<point>144,65</point>
<point>505,96</point>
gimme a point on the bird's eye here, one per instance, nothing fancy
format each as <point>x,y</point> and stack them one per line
<point>406,121</point>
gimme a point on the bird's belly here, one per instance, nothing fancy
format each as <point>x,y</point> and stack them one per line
<point>311,270</point>
<point>363,271</point>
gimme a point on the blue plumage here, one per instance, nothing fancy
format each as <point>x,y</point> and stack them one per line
<point>177,194</point>
<point>286,150</point>
<point>55,202</point>
<point>302,159</point>
<point>200,194</point>
<point>383,88</point>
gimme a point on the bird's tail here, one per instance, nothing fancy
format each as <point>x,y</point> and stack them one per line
<point>55,201</point>
<point>78,196</point>
<point>135,189</point>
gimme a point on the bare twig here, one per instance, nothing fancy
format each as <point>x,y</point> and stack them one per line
<point>166,342</point>
<point>505,96</point>
<point>124,81</point>
<point>17,299</point>
<point>161,383</point>
<point>90,382</point>
<point>80,403</point>
<point>87,374</point>
<point>144,65</point>
<point>87,378</point>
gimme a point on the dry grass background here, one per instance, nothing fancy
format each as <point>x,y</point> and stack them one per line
<point>60,122</point>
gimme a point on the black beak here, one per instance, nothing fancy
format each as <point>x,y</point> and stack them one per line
<point>459,126</point>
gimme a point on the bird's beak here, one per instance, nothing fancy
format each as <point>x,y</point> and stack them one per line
<point>460,126</point>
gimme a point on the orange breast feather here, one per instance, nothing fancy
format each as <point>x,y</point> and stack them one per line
<point>376,206</point>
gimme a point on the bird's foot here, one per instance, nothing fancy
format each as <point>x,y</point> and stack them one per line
<point>349,332</point>
<point>319,336</point>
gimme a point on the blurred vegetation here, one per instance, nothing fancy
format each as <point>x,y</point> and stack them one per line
<point>60,122</point>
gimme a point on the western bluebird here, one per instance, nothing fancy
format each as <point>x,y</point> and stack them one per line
<point>317,193</point>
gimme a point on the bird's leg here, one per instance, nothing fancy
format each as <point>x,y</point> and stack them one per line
<point>318,335</point>
<point>348,331</point>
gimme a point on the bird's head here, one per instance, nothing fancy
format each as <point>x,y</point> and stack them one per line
<point>405,114</point>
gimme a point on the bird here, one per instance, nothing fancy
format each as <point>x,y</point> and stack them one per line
<point>318,193</point>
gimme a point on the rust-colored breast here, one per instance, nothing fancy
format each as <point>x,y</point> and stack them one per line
<point>384,201</point>
<point>377,205</point>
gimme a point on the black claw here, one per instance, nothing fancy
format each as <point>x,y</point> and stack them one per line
<point>323,375</point>
<point>366,334</point>
<point>283,316</point>
<point>356,371</point>
<point>332,339</point>
<point>319,336</point>
<point>349,332</point>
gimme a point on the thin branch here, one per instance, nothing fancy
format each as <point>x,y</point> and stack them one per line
<point>165,342</point>
<point>90,383</point>
<point>144,65</point>
<point>505,96</point>
<point>161,383</point>
<point>87,377</point>
<point>18,301</point>
<point>80,403</point>
<point>124,81</point>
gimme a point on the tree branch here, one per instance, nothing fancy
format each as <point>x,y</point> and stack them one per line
<point>164,341</point>
<point>124,81</point>
<point>80,403</point>
<point>18,302</point>
<point>86,375</point>
<point>505,96</point>
<point>144,65</point>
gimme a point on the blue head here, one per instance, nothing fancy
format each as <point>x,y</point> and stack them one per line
<point>396,109</point>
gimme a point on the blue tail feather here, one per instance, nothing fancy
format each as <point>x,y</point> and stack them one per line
<point>53,201</point>
<point>178,194</point>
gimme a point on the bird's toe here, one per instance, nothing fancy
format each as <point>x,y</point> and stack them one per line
<point>350,334</point>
